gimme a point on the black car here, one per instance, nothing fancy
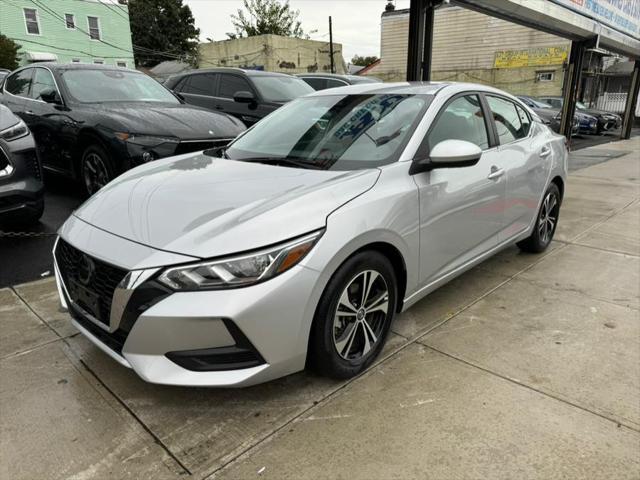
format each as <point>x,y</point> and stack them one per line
<point>3,73</point>
<point>550,116</point>
<point>21,188</point>
<point>249,95</point>
<point>322,81</point>
<point>93,122</point>
<point>606,120</point>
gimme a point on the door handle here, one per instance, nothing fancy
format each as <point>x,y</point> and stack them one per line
<point>218,107</point>
<point>545,151</point>
<point>495,173</point>
<point>29,112</point>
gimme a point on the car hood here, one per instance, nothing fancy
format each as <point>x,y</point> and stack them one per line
<point>185,122</point>
<point>206,207</point>
<point>7,118</point>
<point>546,113</point>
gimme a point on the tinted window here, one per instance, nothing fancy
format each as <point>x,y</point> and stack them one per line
<point>19,83</point>
<point>231,84</point>
<point>316,83</point>
<point>462,119</point>
<point>276,88</point>
<point>331,83</point>
<point>507,120</point>
<point>524,120</point>
<point>42,80</point>
<point>201,84</point>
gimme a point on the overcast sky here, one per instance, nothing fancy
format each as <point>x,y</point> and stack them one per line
<point>356,23</point>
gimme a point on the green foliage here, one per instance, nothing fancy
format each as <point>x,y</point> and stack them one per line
<point>8,53</point>
<point>266,16</point>
<point>363,61</point>
<point>163,30</point>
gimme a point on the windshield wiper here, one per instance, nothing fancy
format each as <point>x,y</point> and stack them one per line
<point>285,161</point>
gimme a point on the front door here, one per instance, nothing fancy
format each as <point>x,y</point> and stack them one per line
<point>461,209</point>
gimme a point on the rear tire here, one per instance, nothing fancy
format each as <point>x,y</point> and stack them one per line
<point>546,222</point>
<point>348,332</point>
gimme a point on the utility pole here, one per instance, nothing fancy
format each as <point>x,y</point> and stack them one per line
<point>333,69</point>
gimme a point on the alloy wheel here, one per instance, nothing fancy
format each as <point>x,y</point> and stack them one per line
<point>95,172</point>
<point>548,218</point>
<point>361,314</point>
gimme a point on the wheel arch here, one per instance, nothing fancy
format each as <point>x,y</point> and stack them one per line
<point>559,182</point>
<point>87,136</point>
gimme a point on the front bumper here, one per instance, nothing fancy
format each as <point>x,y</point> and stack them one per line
<point>21,187</point>
<point>224,338</point>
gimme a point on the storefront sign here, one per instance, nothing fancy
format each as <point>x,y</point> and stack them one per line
<point>533,57</point>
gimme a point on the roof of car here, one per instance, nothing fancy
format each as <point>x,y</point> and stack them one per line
<point>77,66</point>
<point>249,73</point>
<point>339,75</point>
<point>405,88</point>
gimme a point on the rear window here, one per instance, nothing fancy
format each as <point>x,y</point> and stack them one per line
<point>281,88</point>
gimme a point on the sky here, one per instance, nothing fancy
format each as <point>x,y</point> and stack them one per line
<point>356,23</point>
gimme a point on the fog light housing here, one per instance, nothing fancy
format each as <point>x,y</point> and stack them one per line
<point>147,157</point>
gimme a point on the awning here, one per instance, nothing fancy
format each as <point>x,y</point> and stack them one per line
<point>41,57</point>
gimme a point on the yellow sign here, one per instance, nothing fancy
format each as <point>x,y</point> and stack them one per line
<point>534,57</point>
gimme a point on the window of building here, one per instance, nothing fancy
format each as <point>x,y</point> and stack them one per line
<point>98,61</point>
<point>31,21</point>
<point>462,119</point>
<point>94,28</point>
<point>230,84</point>
<point>121,63</point>
<point>508,123</point>
<point>545,76</point>
<point>70,21</point>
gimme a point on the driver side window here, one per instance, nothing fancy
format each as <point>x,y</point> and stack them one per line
<point>462,119</point>
<point>42,81</point>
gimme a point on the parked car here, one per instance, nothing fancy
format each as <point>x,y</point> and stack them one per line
<point>606,120</point>
<point>299,243</point>
<point>550,116</point>
<point>93,122</point>
<point>3,73</point>
<point>248,95</point>
<point>21,188</point>
<point>322,81</point>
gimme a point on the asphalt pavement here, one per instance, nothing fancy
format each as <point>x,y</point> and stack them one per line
<point>25,254</point>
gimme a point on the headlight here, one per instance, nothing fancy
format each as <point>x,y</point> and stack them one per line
<point>145,140</point>
<point>239,271</point>
<point>14,132</point>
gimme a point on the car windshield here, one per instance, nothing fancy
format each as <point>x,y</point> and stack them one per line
<point>538,104</point>
<point>96,86</point>
<point>275,88</point>
<point>334,132</point>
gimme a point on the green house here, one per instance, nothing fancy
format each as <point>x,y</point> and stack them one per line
<point>66,31</point>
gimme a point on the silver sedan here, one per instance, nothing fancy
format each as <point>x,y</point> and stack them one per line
<point>298,243</point>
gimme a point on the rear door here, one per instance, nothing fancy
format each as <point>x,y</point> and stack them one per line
<point>199,89</point>
<point>525,159</point>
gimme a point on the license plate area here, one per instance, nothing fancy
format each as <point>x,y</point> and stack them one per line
<point>86,299</point>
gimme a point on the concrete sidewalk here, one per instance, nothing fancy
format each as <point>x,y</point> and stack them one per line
<point>528,366</point>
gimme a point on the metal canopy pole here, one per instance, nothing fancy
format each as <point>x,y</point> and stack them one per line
<point>571,84</point>
<point>632,100</point>
<point>420,47</point>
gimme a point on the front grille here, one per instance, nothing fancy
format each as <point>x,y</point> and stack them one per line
<point>90,282</point>
<point>196,146</point>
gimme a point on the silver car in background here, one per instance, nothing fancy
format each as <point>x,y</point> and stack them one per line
<point>297,244</point>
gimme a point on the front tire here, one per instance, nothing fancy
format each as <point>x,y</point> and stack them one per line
<point>353,317</point>
<point>96,169</point>
<point>546,222</point>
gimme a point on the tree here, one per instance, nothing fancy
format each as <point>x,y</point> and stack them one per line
<point>163,30</point>
<point>363,61</point>
<point>266,16</point>
<point>8,53</point>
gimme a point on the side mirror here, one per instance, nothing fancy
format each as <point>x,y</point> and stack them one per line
<point>244,96</point>
<point>51,95</point>
<point>449,154</point>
